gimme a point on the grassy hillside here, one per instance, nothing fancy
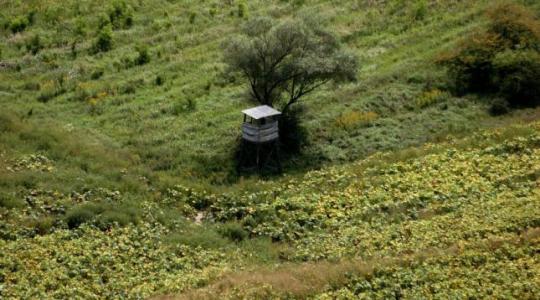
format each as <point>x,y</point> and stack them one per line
<point>171,123</point>
<point>117,177</point>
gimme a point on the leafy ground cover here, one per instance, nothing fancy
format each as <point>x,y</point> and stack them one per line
<point>415,227</point>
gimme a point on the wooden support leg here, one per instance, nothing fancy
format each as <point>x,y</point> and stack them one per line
<point>258,158</point>
<point>277,157</point>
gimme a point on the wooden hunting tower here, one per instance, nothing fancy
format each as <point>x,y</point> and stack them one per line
<point>260,124</point>
<point>260,128</point>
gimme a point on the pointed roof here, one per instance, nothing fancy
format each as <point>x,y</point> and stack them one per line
<point>259,112</point>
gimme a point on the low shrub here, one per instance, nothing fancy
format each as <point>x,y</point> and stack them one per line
<point>48,90</point>
<point>104,40</point>
<point>159,80</point>
<point>120,15</point>
<point>18,24</point>
<point>192,17</point>
<point>199,236</point>
<point>242,10</point>
<point>78,216</point>
<point>354,119</point>
<point>116,217</point>
<point>499,107</point>
<point>10,202</point>
<point>517,74</point>
<point>419,10</point>
<point>142,56</point>
<point>97,74</point>
<point>103,215</point>
<point>430,97</point>
<point>43,225</point>
<point>233,231</point>
<point>183,106</point>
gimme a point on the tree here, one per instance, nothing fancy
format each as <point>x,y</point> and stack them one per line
<point>283,61</point>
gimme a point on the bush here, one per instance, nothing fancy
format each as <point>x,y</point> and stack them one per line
<point>242,10</point>
<point>192,17</point>
<point>499,107</point>
<point>43,225</point>
<point>103,21</point>
<point>120,15</point>
<point>142,56</point>
<point>34,45</point>
<point>233,231</point>
<point>419,10</point>
<point>354,119</point>
<point>430,97</point>
<point>78,216</point>
<point>502,59</point>
<point>97,74</point>
<point>19,24</point>
<point>104,41</point>
<point>159,80</point>
<point>198,237</point>
<point>184,106</point>
<point>10,202</point>
<point>121,217</point>
<point>517,74</point>
<point>48,90</point>
<point>102,214</point>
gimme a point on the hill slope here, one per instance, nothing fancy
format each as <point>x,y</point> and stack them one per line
<point>169,110</point>
<point>117,178</point>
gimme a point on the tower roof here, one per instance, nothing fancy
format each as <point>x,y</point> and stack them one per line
<point>260,112</point>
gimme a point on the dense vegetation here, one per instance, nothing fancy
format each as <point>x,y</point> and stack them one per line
<point>118,130</point>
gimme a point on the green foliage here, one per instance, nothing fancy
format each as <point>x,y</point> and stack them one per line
<point>499,106</point>
<point>233,231</point>
<point>184,106</point>
<point>419,10</point>
<point>97,74</point>
<point>192,17</point>
<point>79,215</point>
<point>80,29</point>
<point>104,40</point>
<point>502,58</point>
<point>455,197</point>
<point>18,24</point>
<point>159,80</point>
<point>120,217</point>
<point>518,76</point>
<point>430,97</point>
<point>35,44</point>
<point>103,215</point>
<point>120,15</point>
<point>43,225</point>
<point>142,56</point>
<point>242,10</point>
<point>8,201</point>
<point>199,237</point>
<point>284,61</point>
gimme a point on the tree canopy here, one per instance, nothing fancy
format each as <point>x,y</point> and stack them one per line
<point>285,60</point>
